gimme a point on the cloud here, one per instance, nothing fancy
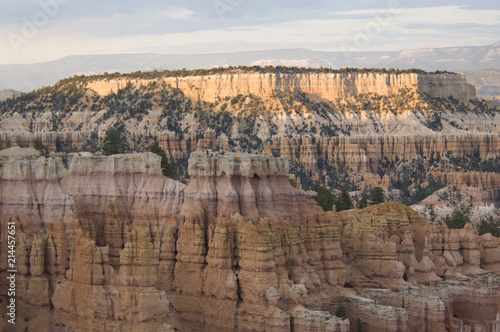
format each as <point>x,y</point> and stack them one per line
<point>430,15</point>
<point>174,12</point>
<point>191,26</point>
<point>448,15</point>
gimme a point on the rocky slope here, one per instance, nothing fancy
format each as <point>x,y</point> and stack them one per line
<point>109,244</point>
<point>347,128</point>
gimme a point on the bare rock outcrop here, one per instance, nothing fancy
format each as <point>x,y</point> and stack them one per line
<point>484,180</point>
<point>381,243</point>
<point>174,148</point>
<point>252,186</point>
<point>490,253</point>
<point>328,86</point>
<point>425,312</point>
<point>31,191</point>
<point>215,256</point>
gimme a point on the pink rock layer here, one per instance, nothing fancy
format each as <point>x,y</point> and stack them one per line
<point>108,243</point>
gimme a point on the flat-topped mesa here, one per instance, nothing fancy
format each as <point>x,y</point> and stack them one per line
<point>253,186</point>
<point>329,86</point>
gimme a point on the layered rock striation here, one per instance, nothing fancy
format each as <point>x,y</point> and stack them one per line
<point>329,86</point>
<point>365,125</point>
<point>124,248</point>
<point>365,152</point>
<point>252,186</point>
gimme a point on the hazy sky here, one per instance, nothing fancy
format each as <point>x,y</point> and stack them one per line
<point>41,30</point>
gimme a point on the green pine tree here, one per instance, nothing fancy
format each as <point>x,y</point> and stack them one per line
<point>363,202</point>
<point>341,311</point>
<point>325,198</point>
<point>44,151</point>
<point>457,220</point>
<point>113,143</point>
<point>377,195</point>
<point>344,201</point>
<point>491,226</point>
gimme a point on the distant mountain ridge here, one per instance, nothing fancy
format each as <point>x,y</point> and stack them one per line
<point>463,59</point>
<point>487,81</point>
<point>8,93</point>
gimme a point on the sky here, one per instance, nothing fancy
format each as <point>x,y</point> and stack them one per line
<point>33,31</point>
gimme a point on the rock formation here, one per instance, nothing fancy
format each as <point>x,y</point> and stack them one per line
<point>342,127</point>
<point>484,180</point>
<point>364,152</point>
<point>327,86</point>
<point>108,243</point>
<point>252,186</point>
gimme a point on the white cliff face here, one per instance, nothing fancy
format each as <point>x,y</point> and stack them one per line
<point>87,164</point>
<point>328,86</point>
<point>26,164</point>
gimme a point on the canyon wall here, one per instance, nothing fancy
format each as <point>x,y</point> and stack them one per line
<point>327,86</point>
<point>370,160</point>
<point>356,152</point>
<point>25,138</point>
<point>109,244</point>
<point>365,152</point>
<point>252,186</point>
<point>359,130</point>
<point>484,180</point>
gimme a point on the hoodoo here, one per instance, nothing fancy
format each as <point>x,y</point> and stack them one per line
<point>253,186</point>
<point>108,243</point>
